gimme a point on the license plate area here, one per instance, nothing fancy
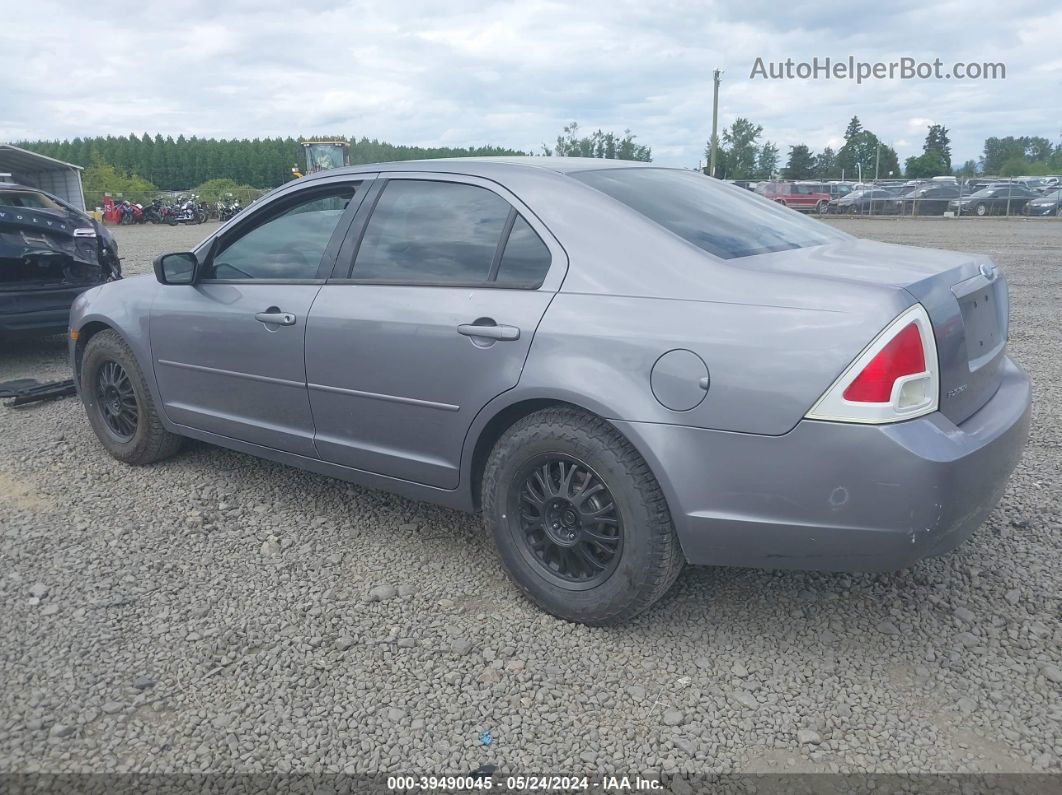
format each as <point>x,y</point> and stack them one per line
<point>983,305</point>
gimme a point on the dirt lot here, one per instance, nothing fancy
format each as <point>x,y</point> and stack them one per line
<point>214,613</point>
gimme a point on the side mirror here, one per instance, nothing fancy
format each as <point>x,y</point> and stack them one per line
<point>178,268</point>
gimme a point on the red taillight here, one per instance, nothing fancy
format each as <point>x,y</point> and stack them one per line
<point>902,355</point>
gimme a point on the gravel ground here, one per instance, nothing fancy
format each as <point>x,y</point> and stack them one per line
<point>217,612</point>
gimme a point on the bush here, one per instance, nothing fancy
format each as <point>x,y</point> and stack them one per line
<point>100,178</point>
<point>215,189</point>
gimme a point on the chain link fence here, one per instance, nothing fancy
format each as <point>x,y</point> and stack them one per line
<point>218,204</point>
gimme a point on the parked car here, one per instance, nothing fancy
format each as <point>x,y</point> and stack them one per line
<point>1038,184</point>
<point>994,200</point>
<point>866,201</point>
<point>797,195</point>
<point>926,200</point>
<point>50,252</point>
<point>624,367</point>
<point>1048,204</point>
<point>835,190</point>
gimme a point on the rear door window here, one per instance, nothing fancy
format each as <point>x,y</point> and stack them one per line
<point>432,232</point>
<point>448,233</point>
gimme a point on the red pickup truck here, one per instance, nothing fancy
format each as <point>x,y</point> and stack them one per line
<point>803,196</point>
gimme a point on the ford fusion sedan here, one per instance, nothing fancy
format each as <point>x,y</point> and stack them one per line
<point>50,252</point>
<point>624,367</point>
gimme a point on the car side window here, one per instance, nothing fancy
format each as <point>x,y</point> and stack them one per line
<point>286,245</point>
<point>525,259</point>
<point>422,231</point>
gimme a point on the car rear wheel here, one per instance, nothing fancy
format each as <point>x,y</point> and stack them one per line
<point>578,519</point>
<point>119,404</point>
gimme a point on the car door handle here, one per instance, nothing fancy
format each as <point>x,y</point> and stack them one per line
<point>503,333</point>
<point>275,318</point>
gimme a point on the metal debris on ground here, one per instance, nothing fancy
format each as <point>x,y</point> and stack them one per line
<point>30,390</point>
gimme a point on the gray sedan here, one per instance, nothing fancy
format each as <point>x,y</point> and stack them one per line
<point>624,367</point>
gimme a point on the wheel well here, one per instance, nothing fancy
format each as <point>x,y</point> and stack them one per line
<point>497,426</point>
<point>85,333</point>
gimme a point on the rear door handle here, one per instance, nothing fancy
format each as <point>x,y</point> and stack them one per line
<point>274,318</point>
<point>503,333</point>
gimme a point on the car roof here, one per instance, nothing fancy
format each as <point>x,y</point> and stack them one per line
<point>491,166</point>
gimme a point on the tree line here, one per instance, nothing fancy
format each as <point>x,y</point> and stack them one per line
<point>145,163</point>
<point>140,164</point>
<point>177,164</point>
<point>741,156</point>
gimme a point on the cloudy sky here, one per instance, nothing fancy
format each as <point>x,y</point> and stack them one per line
<point>513,73</point>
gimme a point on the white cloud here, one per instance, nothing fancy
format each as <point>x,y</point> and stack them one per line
<point>513,73</point>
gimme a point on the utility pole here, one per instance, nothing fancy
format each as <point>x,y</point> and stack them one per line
<point>715,122</point>
<point>877,160</point>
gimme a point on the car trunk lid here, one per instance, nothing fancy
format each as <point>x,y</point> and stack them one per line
<point>964,294</point>
<point>43,249</point>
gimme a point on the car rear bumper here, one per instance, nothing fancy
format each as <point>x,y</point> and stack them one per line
<point>837,496</point>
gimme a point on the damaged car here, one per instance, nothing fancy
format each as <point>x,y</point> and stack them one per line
<point>50,252</point>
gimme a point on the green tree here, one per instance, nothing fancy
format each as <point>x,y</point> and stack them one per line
<point>801,163</point>
<point>739,150</point>
<point>826,164</point>
<point>1022,166</point>
<point>863,154</point>
<point>100,178</point>
<point>969,169</point>
<point>888,162</point>
<point>937,142</point>
<point>767,161</point>
<point>855,126</point>
<point>930,164</point>
<point>998,151</point>
<point>606,145</point>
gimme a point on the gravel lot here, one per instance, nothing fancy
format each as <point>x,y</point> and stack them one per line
<point>217,612</point>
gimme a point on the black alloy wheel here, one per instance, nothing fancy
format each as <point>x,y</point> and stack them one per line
<point>569,524</point>
<point>116,401</point>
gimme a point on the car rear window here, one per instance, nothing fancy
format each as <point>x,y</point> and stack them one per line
<point>30,199</point>
<point>723,220</point>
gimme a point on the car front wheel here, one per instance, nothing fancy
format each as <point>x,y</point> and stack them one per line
<point>579,521</point>
<point>981,210</point>
<point>119,404</point>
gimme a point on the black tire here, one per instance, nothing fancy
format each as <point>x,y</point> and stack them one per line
<point>981,210</point>
<point>146,440</point>
<point>820,208</point>
<point>646,556</point>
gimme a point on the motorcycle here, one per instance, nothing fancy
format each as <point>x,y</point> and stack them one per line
<point>153,212</point>
<point>227,210</point>
<point>188,212</point>
<point>130,213</point>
